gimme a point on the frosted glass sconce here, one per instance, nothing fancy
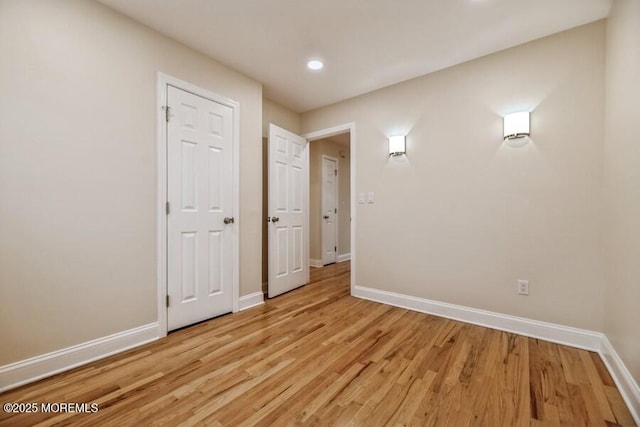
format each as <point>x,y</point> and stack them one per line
<point>516,125</point>
<point>397,145</point>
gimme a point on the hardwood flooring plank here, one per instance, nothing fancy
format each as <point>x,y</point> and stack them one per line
<point>597,387</point>
<point>620,410</point>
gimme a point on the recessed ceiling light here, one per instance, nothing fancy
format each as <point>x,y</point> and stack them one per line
<point>315,64</point>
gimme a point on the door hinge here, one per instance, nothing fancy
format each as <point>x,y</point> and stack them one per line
<point>335,172</point>
<point>167,208</point>
<point>335,249</point>
<point>167,112</point>
<point>335,210</point>
<point>167,300</point>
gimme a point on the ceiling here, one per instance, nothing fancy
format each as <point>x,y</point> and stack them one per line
<point>365,44</point>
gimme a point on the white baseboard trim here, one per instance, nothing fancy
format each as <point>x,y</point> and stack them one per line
<point>626,384</point>
<point>344,257</point>
<point>560,334</point>
<point>316,263</point>
<point>574,337</point>
<point>29,370</point>
<point>251,300</point>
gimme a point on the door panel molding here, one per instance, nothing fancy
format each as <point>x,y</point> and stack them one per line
<point>163,81</point>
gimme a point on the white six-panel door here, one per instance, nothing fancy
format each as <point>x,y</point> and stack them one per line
<point>288,211</point>
<point>199,192</point>
<point>329,209</point>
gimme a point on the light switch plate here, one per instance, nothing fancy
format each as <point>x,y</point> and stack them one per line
<point>361,198</point>
<point>370,197</point>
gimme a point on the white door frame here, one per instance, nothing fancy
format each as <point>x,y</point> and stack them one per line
<point>337,196</point>
<point>163,81</point>
<point>326,133</point>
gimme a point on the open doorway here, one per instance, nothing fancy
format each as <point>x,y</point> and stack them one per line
<point>329,200</point>
<point>345,217</point>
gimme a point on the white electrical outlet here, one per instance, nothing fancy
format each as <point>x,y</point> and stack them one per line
<point>523,287</point>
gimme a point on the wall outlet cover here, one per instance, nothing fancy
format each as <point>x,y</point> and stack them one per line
<point>523,287</point>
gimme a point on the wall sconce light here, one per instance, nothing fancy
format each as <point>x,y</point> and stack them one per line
<point>516,125</point>
<point>397,145</point>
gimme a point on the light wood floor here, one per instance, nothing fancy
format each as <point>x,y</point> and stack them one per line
<point>321,357</point>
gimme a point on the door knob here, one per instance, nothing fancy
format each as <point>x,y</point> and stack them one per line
<point>275,219</point>
<point>228,220</point>
<point>326,217</point>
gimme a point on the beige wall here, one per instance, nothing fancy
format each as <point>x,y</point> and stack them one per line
<point>279,116</point>
<point>463,216</point>
<point>341,153</point>
<point>286,119</point>
<point>622,182</point>
<point>78,165</point>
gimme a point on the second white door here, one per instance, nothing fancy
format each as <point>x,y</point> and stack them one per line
<point>329,209</point>
<point>288,211</point>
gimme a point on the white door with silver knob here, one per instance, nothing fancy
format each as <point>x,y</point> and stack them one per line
<point>288,210</point>
<point>329,209</point>
<point>200,219</point>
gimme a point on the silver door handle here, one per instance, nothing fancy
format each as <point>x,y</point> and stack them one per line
<point>275,219</point>
<point>228,220</point>
<point>326,217</point>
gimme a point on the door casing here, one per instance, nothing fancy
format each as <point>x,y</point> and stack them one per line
<point>163,81</point>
